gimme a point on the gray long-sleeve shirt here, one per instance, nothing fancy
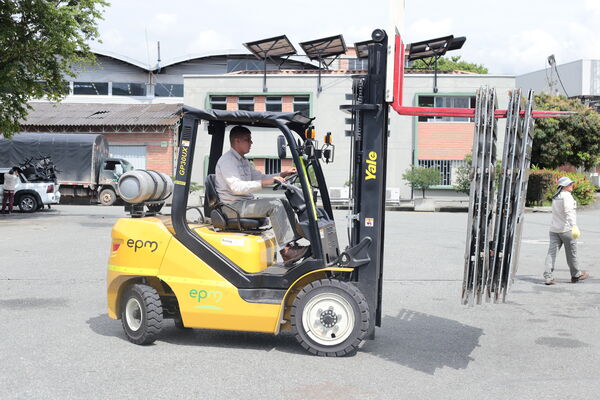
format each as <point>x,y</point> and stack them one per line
<point>236,179</point>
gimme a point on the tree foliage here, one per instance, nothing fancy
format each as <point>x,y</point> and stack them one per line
<point>453,63</point>
<point>573,140</point>
<point>41,41</point>
<point>422,178</point>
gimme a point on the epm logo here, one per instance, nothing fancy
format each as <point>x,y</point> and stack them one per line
<point>206,296</point>
<point>140,244</point>
<point>371,167</point>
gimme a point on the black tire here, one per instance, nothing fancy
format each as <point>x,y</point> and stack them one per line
<point>107,197</point>
<point>344,302</point>
<point>141,314</point>
<point>28,203</point>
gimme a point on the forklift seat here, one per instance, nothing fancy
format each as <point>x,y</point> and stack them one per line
<point>221,214</point>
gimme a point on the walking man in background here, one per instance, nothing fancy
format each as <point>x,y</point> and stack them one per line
<point>564,230</point>
<point>10,183</point>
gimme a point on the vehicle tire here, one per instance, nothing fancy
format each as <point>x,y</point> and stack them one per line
<point>27,203</point>
<point>141,314</point>
<point>107,197</point>
<point>330,318</point>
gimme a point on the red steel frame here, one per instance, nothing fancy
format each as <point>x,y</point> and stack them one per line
<point>442,111</point>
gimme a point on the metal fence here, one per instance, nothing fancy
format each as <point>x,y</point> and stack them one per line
<point>447,169</point>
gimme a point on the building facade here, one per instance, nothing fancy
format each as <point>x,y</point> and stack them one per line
<point>439,142</point>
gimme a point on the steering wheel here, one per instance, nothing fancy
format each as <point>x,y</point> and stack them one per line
<point>289,180</point>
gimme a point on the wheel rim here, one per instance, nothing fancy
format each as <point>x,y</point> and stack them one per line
<point>328,319</point>
<point>27,203</point>
<point>106,198</point>
<point>133,314</point>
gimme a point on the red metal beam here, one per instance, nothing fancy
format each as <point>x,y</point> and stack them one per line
<point>469,112</point>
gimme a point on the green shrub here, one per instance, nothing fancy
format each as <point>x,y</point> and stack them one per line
<point>542,186</point>
<point>422,178</point>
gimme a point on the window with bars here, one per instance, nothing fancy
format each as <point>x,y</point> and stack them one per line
<point>218,102</point>
<point>273,103</point>
<point>246,103</point>
<point>302,104</point>
<point>446,102</point>
<point>272,166</point>
<point>447,169</point>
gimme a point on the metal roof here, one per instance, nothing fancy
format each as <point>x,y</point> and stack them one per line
<point>92,114</point>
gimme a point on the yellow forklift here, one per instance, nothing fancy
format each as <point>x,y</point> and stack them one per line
<point>221,271</point>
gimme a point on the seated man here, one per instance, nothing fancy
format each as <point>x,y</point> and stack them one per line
<point>236,179</point>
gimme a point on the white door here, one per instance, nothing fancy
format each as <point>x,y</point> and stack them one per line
<point>136,155</point>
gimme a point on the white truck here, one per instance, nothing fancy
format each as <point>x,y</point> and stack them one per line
<point>31,196</point>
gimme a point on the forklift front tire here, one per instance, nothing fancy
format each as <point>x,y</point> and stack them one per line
<point>330,318</point>
<point>141,314</point>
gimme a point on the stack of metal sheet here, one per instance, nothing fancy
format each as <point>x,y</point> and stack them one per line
<point>496,216</point>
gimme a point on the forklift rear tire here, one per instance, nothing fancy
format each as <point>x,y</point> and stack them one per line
<point>141,314</point>
<point>330,318</point>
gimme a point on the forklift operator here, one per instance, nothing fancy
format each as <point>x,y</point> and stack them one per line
<point>236,180</point>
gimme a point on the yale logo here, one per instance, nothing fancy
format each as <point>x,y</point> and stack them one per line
<point>140,244</point>
<point>183,161</point>
<point>371,168</point>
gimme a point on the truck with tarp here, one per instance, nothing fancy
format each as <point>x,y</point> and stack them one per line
<point>84,168</point>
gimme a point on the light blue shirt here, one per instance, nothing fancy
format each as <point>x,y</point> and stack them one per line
<point>236,179</point>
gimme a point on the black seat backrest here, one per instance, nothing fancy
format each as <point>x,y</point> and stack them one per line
<point>214,208</point>
<point>211,197</point>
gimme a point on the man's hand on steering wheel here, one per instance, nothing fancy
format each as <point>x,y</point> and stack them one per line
<point>285,183</point>
<point>288,172</point>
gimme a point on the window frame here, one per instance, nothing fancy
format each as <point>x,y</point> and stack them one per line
<point>93,85</point>
<point>246,103</point>
<point>141,85</point>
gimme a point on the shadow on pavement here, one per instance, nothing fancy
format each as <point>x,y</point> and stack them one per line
<point>424,342</point>
<point>105,326</point>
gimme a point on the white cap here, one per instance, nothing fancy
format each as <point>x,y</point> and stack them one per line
<point>565,181</point>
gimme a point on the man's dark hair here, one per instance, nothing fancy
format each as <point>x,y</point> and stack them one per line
<point>238,132</point>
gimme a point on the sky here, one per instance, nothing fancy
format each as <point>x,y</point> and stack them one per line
<point>508,37</point>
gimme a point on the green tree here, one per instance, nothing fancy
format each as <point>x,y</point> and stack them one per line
<point>422,178</point>
<point>450,64</point>
<point>41,41</point>
<point>572,140</point>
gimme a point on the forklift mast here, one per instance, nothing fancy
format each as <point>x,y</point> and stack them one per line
<point>370,119</point>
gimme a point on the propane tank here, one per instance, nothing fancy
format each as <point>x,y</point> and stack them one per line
<point>144,185</point>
